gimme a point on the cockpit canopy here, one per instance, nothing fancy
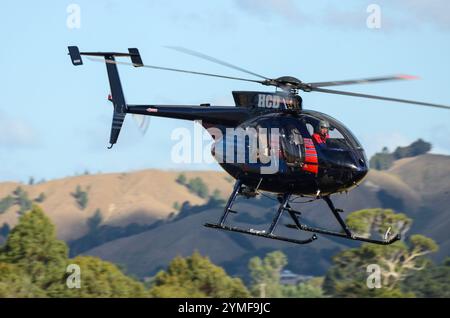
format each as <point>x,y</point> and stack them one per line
<point>340,149</point>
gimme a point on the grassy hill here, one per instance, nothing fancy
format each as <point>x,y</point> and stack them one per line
<point>397,188</point>
<point>429,176</point>
<point>123,198</point>
<point>418,186</point>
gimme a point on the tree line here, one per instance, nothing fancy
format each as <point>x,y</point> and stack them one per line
<point>34,263</point>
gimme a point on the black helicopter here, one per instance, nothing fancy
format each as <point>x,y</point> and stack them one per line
<point>315,155</point>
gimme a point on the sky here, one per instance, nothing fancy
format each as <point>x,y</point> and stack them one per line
<point>55,118</point>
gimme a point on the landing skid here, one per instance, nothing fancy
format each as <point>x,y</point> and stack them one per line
<point>284,206</point>
<point>260,233</point>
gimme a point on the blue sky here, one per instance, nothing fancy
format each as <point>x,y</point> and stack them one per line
<point>55,119</point>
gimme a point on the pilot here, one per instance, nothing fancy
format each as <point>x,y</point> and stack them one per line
<point>321,135</point>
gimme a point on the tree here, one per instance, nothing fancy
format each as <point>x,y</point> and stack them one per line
<point>195,185</point>
<point>216,200</point>
<point>181,179</point>
<point>310,289</point>
<point>33,263</point>
<point>381,161</point>
<point>33,247</point>
<point>216,195</point>
<point>6,203</point>
<point>196,276</point>
<point>432,282</point>
<point>198,187</point>
<point>94,221</point>
<point>81,197</point>
<point>103,279</point>
<point>418,147</point>
<point>377,221</point>
<point>41,198</point>
<point>348,275</point>
<point>265,274</point>
<point>15,283</point>
<point>22,199</point>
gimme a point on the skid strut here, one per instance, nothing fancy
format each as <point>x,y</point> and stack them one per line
<point>227,210</point>
<point>347,233</point>
<point>284,206</point>
<point>261,233</point>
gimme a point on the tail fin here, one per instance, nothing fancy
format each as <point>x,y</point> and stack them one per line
<point>117,96</point>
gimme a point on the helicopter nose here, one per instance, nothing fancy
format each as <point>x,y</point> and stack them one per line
<point>359,171</point>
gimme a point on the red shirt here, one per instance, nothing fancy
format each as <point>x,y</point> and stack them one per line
<point>319,139</point>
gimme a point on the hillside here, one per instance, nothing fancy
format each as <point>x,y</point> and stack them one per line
<point>429,176</point>
<point>418,186</point>
<point>123,198</point>
<point>145,253</point>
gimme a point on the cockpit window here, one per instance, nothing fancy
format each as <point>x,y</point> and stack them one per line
<point>347,134</point>
<point>332,137</point>
<point>335,134</point>
<point>310,128</point>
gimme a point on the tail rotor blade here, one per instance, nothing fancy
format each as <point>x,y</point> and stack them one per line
<point>142,122</point>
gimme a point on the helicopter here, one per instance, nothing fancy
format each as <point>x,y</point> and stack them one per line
<point>315,155</point>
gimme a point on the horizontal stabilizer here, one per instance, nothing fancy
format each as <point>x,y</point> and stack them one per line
<point>133,53</point>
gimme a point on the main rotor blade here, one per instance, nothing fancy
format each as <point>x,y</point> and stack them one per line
<point>176,70</point>
<point>329,91</point>
<point>365,80</point>
<point>214,60</point>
